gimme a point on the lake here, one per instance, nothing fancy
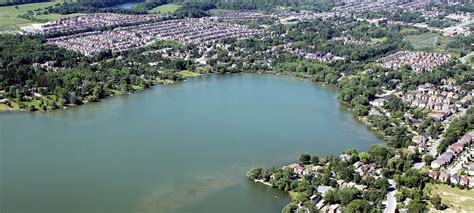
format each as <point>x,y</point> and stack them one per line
<point>183,147</point>
<point>127,5</point>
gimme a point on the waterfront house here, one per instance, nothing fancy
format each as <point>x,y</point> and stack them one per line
<point>357,164</point>
<point>307,171</point>
<point>298,169</point>
<point>345,157</point>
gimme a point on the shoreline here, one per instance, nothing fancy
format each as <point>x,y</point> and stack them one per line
<point>16,109</point>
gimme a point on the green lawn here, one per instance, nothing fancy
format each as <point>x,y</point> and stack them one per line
<point>188,74</point>
<point>379,40</point>
<point>424,40</point>
<point>457,199</point>
<point>4,107</point>
<point>167,8</point>
<point>55,16</point>
<point>9,19</point>
<point>408,31</point>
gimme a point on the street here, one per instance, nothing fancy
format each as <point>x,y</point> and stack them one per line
<point>391,203</point>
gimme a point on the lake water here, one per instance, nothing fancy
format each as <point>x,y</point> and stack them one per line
<point>127,5</point>
<point>173,148</point>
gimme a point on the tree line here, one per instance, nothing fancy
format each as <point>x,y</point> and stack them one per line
<point>17,2</point>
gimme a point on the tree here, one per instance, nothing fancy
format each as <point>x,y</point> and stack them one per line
<point>358,206</point>
<point>364,156</point>
<point>331,196</point>
<point>395,103</point>
<point>416,206</point>
<point>379,154</point>
<point>18,95</point>
<point>437,202</point>
<point>305,158</point>
<point>257,173</point>
<point>315,160</point>
<point>428,158</point>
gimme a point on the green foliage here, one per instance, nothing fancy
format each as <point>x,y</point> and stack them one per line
<point>417,207</point>
<point>315,160</point>
<point>358,206</point>
<point>17,2</point>
<point>379,154</point>
<point>194,10</point>
<point>305,159</point>
<point>457,129</point>
<point>395,103</point>
<point>342,196</point>
<point>257,173</point>
<point>436,201</point>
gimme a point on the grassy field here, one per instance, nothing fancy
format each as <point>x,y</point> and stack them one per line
<point>425,40</point>
<point>4,107</point>
<point>9,15</point>
<point>457,199</point>
<point>167,8</point>
<point>188,74</point>
<point>55,16</point>
<point>379,40</point>
<point>9,19</point>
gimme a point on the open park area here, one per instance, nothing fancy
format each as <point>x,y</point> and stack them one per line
<point>165,9</point>
<point>424,40</point>
<point>9,19</point>
<point>456,198</point>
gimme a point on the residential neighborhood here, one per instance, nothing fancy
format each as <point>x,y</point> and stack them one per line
<point>418,61</point>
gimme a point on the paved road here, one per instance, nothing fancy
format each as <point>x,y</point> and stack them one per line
<point>433,149</point>
<point>463,59</point>
<point>447,29</point>
<point>391,203</point>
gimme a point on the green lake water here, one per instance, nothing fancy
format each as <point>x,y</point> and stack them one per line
<point>183,147</point>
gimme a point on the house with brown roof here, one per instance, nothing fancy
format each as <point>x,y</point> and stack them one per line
<point>464,181</point>
<point>433,174</point>
<point>444,177</point>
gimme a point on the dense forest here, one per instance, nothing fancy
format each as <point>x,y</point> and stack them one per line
<point>190,8</point>
<point>265,4</point>
<point>16,2</point>
<point>29,66</point>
